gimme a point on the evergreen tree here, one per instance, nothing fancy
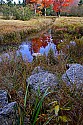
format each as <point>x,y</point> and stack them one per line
<point>24,3</point>
<point>19,2</point>
<point>2,2</point>
<point>9,2</point>
<point>14,3</point>
<point>80,2</point>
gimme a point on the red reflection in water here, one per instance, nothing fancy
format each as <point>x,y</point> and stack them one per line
<point>42,41</point>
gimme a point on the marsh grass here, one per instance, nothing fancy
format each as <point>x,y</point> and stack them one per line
<point>73,50</point>
<point>13,75</point>
<point>13,31</point>
<point>69,21</point>
<point>73,26</point>
<point>70,31</point>
<point>37,108</point>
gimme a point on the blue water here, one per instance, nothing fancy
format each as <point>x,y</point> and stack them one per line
<point>26,48</point>
<point>36,45</point>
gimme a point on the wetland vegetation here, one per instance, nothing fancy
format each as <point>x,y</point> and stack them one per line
<point>64,35</point>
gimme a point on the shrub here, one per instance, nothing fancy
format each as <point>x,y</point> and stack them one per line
<point>22,13</point>
<point>7,12</point>
<point>17,12</point>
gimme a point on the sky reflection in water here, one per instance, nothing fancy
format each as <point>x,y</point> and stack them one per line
<point>24,49</point>
<point>37,45</point>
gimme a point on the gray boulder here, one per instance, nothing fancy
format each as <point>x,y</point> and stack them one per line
<point>3,98</point>
<point>42,79</point>
<point>74,75</point>
<point>8,111</point>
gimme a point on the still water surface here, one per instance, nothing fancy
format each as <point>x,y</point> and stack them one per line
<point>40,44</point>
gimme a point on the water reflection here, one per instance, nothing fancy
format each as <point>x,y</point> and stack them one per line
<point>37,45</point>
<point>40,45</point>
<point>25,50</point>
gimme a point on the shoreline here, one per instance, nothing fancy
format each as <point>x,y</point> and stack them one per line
<point>13,31</point>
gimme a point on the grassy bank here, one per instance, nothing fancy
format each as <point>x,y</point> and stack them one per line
<point>70,31</point>
<point>13,31</point>
<point>64,105</point>
<point>71,25</point>
<point>66,21</point>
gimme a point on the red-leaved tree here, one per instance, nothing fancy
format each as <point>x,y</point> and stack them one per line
<point>34,2</point>
<point>58,4</point>
<point>47,3</point>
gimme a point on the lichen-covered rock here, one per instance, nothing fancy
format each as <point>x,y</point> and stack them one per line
<point>8,114</point>
<point>74,74</point>
<point>8,111</point>
<point>3,98</point>
<point>42,79</point>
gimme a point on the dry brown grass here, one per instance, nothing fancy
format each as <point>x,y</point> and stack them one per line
<point>13,74</point>
<point>8,26</point>
<point>66,21</point>
<point>13,31</point>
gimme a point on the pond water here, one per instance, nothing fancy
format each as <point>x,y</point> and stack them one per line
<point>40,45</point>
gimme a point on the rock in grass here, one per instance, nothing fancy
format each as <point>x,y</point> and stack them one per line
<point>3,98</point>
<point>8,111</point>
<point>41,79</point>
<point>74,75</point>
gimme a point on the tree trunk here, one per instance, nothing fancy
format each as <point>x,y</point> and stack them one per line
<point>58,13</point>
<point>35,8</point>
<point>45,11</point>
<point>35,11</point>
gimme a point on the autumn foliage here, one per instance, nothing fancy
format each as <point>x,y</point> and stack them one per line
<point>47,3</point>
<point>58,4</point>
